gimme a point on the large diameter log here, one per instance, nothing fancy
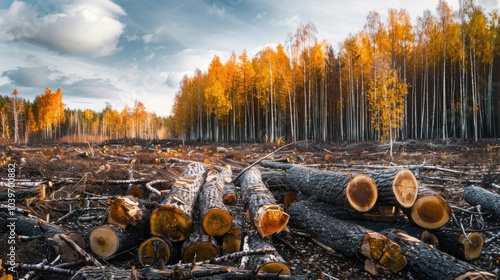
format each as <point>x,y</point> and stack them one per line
<point>395,187</point>
<point>357,191</point>
<point>265,214</point>
<point>199,246</point>
<point>430,210</point>
<point>109,239</point>
<point>265,263</point>
<point>155,251</point>
<point>478,196</point>
<point>427,262</point>
<point>216,220</point>
<point>173,218</point>
<point>347,238</point>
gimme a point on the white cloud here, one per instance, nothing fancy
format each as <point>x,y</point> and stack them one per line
<point>149,57</point>
<point>216,10</point>
<point>149,38</point>
<point>288,21</point>
<point>83,26</point>
<point>261,15</point>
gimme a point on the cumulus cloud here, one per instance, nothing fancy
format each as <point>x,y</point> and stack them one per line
<point>93,88</point>
<point>29,77</point>
<point>82,26</point>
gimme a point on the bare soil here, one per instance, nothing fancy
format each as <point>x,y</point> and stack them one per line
<point>84,170</point>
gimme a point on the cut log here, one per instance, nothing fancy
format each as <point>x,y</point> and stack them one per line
<point>457,244</point>
<point>136,191</point>
<point>265,214</point>
<point>430,263</point>
<point>282,190</point>
<point>232,240</point>
<point>155,251</point>
<point>266,263</point>
<point>30,227</point>
<point>489,201</point>
<point>347,238</point>
<point>216,219</point>
<point>229,196</point>
<point>430,210</point>
<point>125,211</point>
<point>109,239</point>
<point>357,191</point>
<point>395,187</point>
<point>199,246</point>
<point>173,218</point>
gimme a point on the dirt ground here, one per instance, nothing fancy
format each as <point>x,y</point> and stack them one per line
<point>85,170</point>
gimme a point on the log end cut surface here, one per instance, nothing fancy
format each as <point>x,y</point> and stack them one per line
<point>104,241</point>
<point>472,250</point>
<point>362,192</point>
<point>153,250</point>
<point>171,222</point>
<point>270,219</point>
<point>229,199</point>
<point>231,242</point>
<point>430,212</point>
<point>198,252</point>
<point>275,267</point>
<point>217,222</point>
<point>405,188</point>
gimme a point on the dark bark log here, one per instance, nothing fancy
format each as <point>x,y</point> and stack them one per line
<point>395,187</point>
<point>265,214</point>
<point>430,210</point>
<point>216,219</point>
<point>25,226</point>
<point>357,191</point>
<point>173,218</point>
<point>155,251</point>
<point>282,189</point>
<point>232,240</point>
<point>347,238</point>
<point>429,263</point>
<point>456,244</point>
<point>199,246</point>
<point>107,240</point>
<point>489,201</point>
<point>267,263</point>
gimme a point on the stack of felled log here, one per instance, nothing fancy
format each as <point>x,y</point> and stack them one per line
<point>360,214</point>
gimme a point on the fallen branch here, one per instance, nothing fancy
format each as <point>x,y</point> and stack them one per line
<point>88,258</point>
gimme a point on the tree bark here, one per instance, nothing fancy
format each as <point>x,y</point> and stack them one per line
<point>232,240</point>
<point>282,189</point>
<point>266,263</point>
<point>489,201</point>
<point>430,263</point>
<point>356,191</point>
<point>25,226</point>
<point>173,218</point>
<point>347,238</point>
<point>457,244</point>
<point>216,220</point>
<point>265,214</point>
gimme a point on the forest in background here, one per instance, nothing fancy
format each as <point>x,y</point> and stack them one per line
<point>437,79</point>
<point>46,119</point>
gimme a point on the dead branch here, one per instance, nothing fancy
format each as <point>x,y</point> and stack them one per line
<point>88,258</point>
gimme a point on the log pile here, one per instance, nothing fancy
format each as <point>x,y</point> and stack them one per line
<point>206,225</point>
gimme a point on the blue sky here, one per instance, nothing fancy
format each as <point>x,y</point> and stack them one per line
<point>120,51</point>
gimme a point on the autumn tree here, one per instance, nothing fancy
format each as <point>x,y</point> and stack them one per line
<point>386,103</point>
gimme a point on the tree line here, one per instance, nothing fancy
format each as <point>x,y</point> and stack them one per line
<point>47,119</point>
<point>392,80</point>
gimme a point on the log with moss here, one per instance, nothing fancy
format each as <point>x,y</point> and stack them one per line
<point>489,201</point>
<point>173,218</point>
<point>427,262</point>
<point>430,210</point>
<point>216,219</point>
<point>347,238</point>
<point>357,191</point>
<point>265,214</point>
